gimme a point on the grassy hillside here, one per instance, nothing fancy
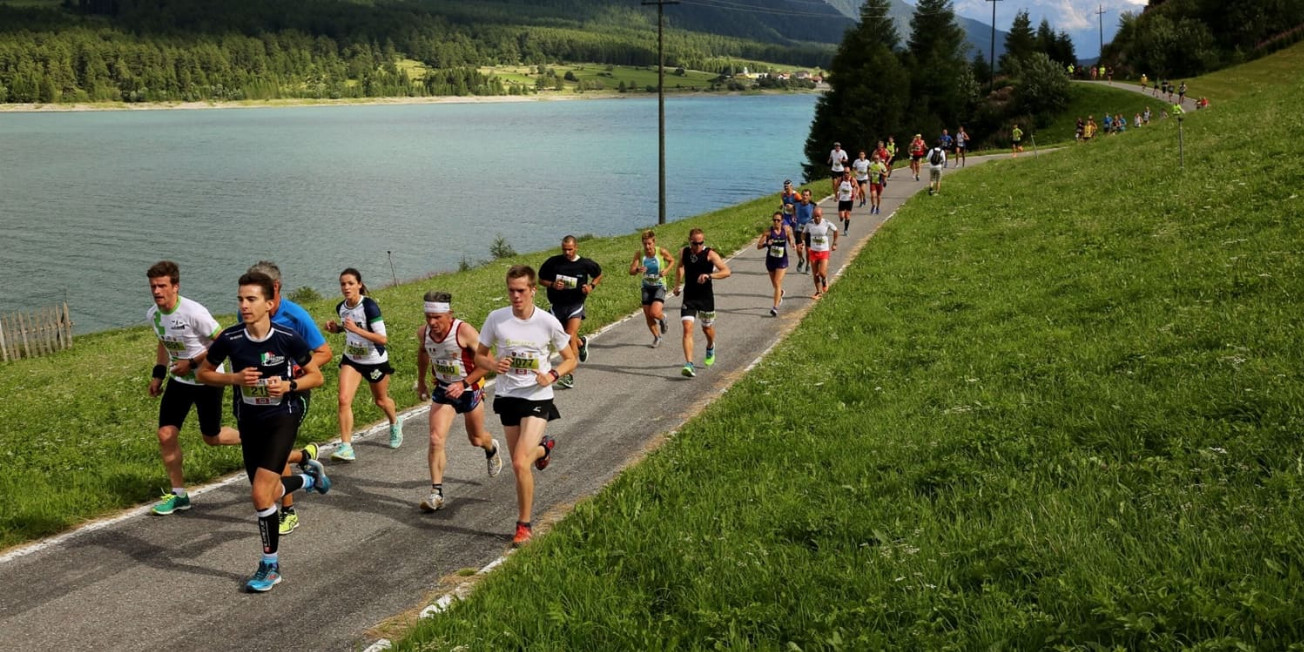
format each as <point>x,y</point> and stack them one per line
<point>1092,100</point>
<point>1056,407</point>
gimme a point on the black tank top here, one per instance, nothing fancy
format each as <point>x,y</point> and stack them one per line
<point>695,265</point>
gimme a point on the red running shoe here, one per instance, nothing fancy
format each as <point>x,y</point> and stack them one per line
<point>547,444</point>
<point>523,534</point>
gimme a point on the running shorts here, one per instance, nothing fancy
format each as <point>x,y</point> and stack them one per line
<point>511,410</point>
<point>266,443</point>
<point>374,373</point>
<point>653,293</point>
<point>468,401</point>
<point>698,310</point>
<point>845,205</point>
<point>565,313</point>
<point>177,399</point>
<point>818,255</point>
<point>934,174</point>
<point>876,188</point>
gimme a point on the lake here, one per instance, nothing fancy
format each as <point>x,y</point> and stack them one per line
<point>89,200</point>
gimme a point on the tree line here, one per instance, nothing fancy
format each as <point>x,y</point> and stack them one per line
<point>1183,38</point>
<point>189,50</point>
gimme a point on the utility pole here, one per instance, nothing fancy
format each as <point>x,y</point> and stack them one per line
<point>1100,18</point>
<point>661,106</point>
<point>991,62</point>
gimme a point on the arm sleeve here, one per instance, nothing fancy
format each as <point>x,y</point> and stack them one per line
<point>487,334</point>
<point>205,325</point>
<point>300,351</point>
<point>310,333</point>
<point>595,270</point>
<point>560,339</point>
<point>375,323</point>
<point>546,271</point>
<point>218,351</point>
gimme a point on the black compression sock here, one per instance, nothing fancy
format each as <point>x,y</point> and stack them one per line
<point>438,488</point>
<point>292,483</point>
<point>269,528</point>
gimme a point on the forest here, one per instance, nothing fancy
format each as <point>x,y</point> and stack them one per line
<point>192,50</point>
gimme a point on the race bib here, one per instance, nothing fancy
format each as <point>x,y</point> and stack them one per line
<point>652,278</point>
<point>357,350</point>
<point>568,282</point>
<point>818,240</point>
<point>174,346</point>
<point>258,394</point>
<point>524,362</point>
<point>449,368</point>
<point>777,251</point>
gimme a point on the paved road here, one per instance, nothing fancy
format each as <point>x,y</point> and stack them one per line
<point>364,552</point>
<point>1188,104</point>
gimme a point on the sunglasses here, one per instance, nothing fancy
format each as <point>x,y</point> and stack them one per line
<point>698,243</point>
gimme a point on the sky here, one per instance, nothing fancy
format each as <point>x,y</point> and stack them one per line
<point>1077,17</point>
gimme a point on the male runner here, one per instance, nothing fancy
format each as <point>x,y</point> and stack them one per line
<point>961,146</point>
<point>700,265</point>
<point>789,198</point>
<point>569,279</point>
<point>884,156</point>
<point>860,167</point>
<point>269,363</point>
<point>936,161</point>
<point>837,163</point>
<point>805,212</point>
<point>450,344</point>
<point>184,329</point>
<point>1016,136</point>
<point>877,181</point>
<point>823,236</point>
<point>948,143</point>
<point>917,151</point>
<point>524,337</point>
<point>290,315</point>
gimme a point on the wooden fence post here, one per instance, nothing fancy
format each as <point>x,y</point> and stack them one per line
<point>67,322</point>
<point>4,352</point>
<point>22,328</point>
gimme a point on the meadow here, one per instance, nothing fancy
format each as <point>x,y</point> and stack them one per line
<point>1055,407</point>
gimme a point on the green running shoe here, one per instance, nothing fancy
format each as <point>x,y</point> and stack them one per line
<point>171,503</point>
<point>396,434</point>
<point>289,521</point>
<point>688,371</point>
<point>710,357</point>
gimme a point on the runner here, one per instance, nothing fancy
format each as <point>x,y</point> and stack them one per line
<point>775,241</point>
<point>936,161</point>
<point>837,163</point>
<point>948,144</point>
<point>654,263</point>
<point>823,236</point>
<point>788,198</point>
<point>184,329</point>
<point>525,338</point>
<point>569,279</point>
<point>700,265</point>
<point>847,191</point>
<point>891,156</point>
<point>1181,92</point>
<point>877,181</point>
<point>961,146</point>
<point>450,344</point>
<point>805,213</point>
<point>860,167</point>
<point>290,315</point>
<point>1016,136</point>
<point>917,150</point>
<point>365,339</point>
<point>269,363</point>
<point>883,155</point>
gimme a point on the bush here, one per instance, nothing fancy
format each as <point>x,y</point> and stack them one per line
<point>501,248</point>
<point>1043,89</point>
<point>304,295</point>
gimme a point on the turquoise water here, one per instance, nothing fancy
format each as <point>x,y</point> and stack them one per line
<point>90,200</point>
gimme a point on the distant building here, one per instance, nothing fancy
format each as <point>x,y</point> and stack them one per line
<point>801,74</point>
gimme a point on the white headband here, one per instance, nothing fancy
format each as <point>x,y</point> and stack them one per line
<point>438,307</point>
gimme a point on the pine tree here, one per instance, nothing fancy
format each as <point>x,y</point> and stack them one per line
<point>1020,44</point>
<point>869,90</point>
<point>941,79</point>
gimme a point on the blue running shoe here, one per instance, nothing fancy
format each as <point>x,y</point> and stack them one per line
<point>688,371</point>
<point>267,576</point>
<point>320,483</point>
<point>343,453</point>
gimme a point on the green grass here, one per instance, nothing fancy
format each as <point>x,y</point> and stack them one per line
<point>78,440</point>
<point>635,77</point>
<point>1056,407</point>
<point>1093,100</point>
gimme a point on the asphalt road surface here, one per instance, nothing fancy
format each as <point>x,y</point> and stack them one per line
<point>364,552</point>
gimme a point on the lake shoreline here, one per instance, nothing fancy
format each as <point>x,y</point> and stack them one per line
<point>366,101</point>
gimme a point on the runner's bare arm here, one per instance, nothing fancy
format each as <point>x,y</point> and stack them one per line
<point>423,364</point>
<point>160,359</point>
<point>721,269</point>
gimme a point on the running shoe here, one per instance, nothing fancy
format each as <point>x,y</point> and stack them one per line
<point>782,294</point>
<point>566,382</point>
<point>656,341</point>
<point>799,266</point>
<point>396,434</point>
<point>774,312</point>
<point>584,349</point>
<point>320,483</point>
<point>267,576</point>
<point>433,503</point>
<point>171,503</point>
<point>710,357</point>
<point>495,461</point>
<point>548,443</point>
<point>663,325</point>
<point>343,453</point>
<point>289,521</point>
<point>523,535</point>
<point>688,370</point>
<point>310,453</point>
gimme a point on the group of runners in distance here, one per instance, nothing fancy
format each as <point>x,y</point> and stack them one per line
<point>274,357</point>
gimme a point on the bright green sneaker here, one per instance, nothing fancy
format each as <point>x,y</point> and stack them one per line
<point>289,521</point>
<point>688,371</point>
<point>311,451</point>
<point>172,503</point>
<point>396,434</point>
<point>343,453</point>
<point>710,357</point>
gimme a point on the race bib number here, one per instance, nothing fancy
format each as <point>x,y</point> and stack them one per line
<point>258,394</point>
<point>448,369</point>
<point>818,240</point>
<point>524,363</point>
<point>777,251</point>
<point>652,278</point>
<point>174,346</point>
<point>568,282</point>
<point>357,350</point>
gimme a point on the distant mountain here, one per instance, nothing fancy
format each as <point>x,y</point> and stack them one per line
<point>979,34</point>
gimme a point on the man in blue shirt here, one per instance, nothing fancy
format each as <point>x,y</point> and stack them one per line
<point>292,316</point>
<point>803,213</point>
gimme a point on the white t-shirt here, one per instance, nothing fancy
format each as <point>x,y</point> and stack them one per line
<point>185,333</point>
<point>837,157</point>
<point>530,343</point>
<point>941,162</point>
<point>861,166</point>
<point>845,190</point>
<point>821,235</point>
<point>366,314</point>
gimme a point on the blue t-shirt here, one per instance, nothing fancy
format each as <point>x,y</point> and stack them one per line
<point>946,141</point>
<point>276,355</point>
<point>805,213</point>
<point>292,316</point>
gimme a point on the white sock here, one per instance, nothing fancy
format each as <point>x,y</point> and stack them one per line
<point>179,491</point>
